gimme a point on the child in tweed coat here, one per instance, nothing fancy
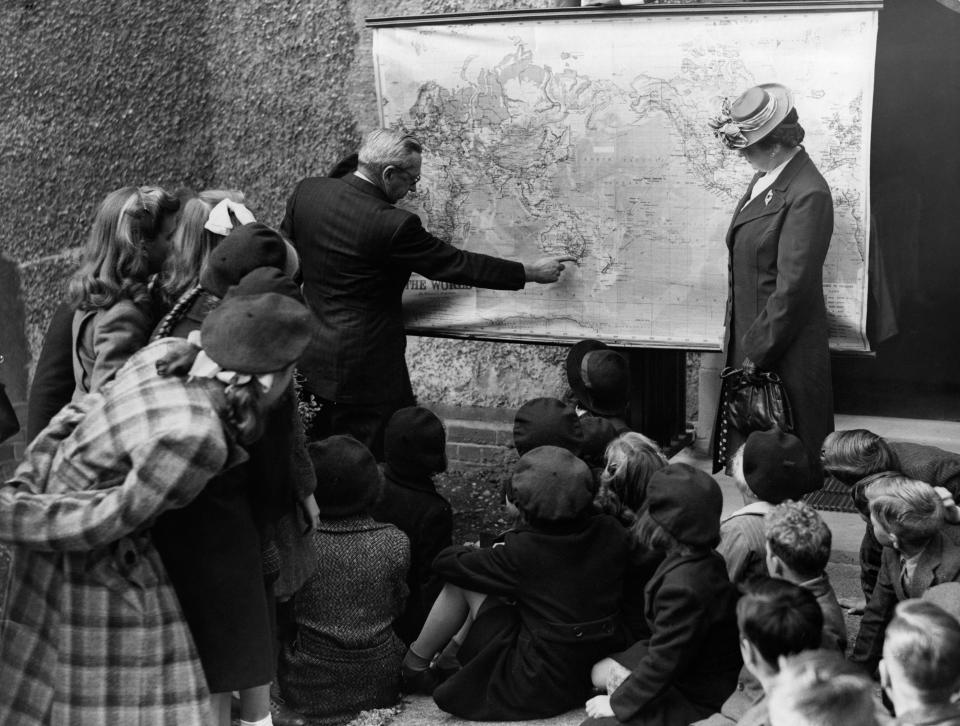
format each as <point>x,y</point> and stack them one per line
<point>345,657</point>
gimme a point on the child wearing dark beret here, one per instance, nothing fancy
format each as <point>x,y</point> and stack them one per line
<point>544,604</point>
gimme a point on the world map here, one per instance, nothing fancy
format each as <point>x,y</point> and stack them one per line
<point>588,138</point>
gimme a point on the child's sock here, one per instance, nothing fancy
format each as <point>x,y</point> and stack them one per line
<point>414,661</point>
<point>265,721</point>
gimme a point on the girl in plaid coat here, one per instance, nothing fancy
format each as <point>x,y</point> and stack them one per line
<point>90,628</point>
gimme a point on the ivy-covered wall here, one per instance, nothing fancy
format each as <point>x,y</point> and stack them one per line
<point>250,95</point>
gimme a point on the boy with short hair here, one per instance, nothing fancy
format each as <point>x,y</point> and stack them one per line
<point>821,688</point>
<point>770,467</point>
<point>798,549</point>
<point>775,618</point>
<point>919,550</point>
<point>920,670</point>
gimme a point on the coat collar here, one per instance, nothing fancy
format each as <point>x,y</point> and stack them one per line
<point>939,562</point>
<point>771,202</point>
<point>366,187</point>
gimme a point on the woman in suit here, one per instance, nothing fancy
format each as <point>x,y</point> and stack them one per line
<point>776,319</point>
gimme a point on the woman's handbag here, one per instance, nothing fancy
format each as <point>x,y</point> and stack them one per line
<point>9,424</point>
<point>755,401</point>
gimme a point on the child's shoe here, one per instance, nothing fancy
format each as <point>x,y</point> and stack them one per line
<point>423,681</point>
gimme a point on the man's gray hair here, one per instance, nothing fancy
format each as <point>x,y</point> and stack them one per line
<point>387,147</point>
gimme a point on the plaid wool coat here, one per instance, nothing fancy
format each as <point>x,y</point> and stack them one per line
<point>90,628</point>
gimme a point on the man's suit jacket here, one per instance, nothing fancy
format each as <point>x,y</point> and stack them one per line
<point>357,251</point>
<point>939,563</point>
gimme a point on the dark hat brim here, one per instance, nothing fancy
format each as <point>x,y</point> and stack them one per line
<point>577,384</point>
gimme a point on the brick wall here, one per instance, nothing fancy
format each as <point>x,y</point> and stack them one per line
<point>477,437</point>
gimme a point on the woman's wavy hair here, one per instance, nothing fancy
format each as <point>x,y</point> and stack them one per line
<point>240,408</point>
<point>114,264</point>
<point>623,486</point>
<point>192,243</point>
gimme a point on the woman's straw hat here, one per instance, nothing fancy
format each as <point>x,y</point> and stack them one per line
<point>753,115</point>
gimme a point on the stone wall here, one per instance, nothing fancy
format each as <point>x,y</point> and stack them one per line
<point>247,95</point>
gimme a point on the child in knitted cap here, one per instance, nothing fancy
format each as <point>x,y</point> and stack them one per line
<point>415,447</point>
<point>770,467</point>
<point>689,664</point>
<point>544,605</point>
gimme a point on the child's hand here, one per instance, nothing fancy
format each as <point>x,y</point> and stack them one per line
<point>472,545</point>
<point>599,707</point>
<point>952,513</point>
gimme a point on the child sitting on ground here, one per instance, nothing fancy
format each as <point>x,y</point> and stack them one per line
<point>920,670</point>
<point>770,467</point>
<point>599,379</point>
<point>919,550</point>
<point>689,665</point>
<point>345,657</point>
<point>415,448</point>
<point>854,455</point>
<point>630,460</point>
<point>821,688</point>
<point>550,422</point>
<point>798,549</point>
<point>544,605</point>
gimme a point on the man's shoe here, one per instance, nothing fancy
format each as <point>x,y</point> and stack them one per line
<point>283,715</point>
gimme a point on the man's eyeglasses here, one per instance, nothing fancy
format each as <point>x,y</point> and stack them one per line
<point>413,179</point>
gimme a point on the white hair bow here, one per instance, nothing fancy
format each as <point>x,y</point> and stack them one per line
<point>219,221</point>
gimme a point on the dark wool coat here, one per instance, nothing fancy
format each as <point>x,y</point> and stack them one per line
<point>413,505</point>
<point>53,383</point>
<point>690,664</point>
<point>939,562</point>
<point>775,310</point>
<point>345,657</point>
<point>213,548</point>
<point>533,660</point>
<point>357,251</point>
<point>935,466</point>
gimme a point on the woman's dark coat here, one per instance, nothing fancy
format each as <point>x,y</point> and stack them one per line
<point>776,314</point>
<point>567,582</point>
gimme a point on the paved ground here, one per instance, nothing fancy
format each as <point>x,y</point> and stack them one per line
<point>844,573</point>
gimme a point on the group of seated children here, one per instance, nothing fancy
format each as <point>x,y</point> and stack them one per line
<point>619,588</point>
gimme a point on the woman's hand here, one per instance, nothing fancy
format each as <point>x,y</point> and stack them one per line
<point>748,367</point>
<point>599,707</point>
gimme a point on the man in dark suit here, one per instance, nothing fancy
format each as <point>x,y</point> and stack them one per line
<point>357,251</point>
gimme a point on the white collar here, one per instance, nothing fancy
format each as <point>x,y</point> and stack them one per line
<point>365,177</point>
<point>767,180</point>
<point>760,508</point>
